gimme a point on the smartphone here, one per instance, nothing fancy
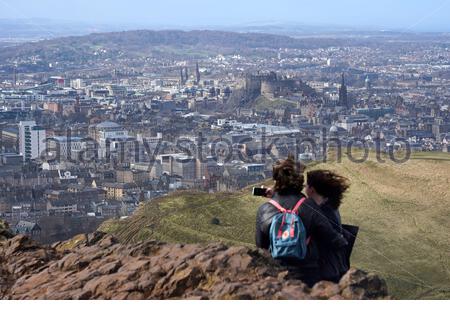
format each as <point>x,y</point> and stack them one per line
<point>259,192</point>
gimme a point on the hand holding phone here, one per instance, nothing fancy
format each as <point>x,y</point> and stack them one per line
<point>263,192</point>
<point>259,192</point>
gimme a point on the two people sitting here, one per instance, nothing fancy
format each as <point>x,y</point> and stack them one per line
<point>325,257</point>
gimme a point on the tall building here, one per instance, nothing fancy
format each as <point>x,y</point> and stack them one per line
<point>186,74</point>
<point>343,95</point>
<point>31,140</point>
<point>182,81</point>
<point>179,164</point>
<point>14,83</point>
<point>197,74</point>
<point>367,83</point>
<point>77,83</point>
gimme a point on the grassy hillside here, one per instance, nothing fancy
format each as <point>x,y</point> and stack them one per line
<point>403,211</point>
<point>263,104</point>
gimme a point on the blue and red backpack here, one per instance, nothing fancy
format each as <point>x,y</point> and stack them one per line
<point>288,234</point>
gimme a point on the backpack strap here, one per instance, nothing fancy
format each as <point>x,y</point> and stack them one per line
<point>278,206</point>
<point>298,205</point>
<point>282,210</point>
<point>295,210</point>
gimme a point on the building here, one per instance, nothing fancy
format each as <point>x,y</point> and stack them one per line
<point>343,94</point>
<point>182,80</point>
<point>118,191</point>
<point>179,165</point>
<point>64,147</point>
<point>61,207</point>
<point>106,130</point>
<point>108,210</point>
<point>184,167</point>
<point>254,168</point>
<point>53,107</point>
<point>10,137</point>
<point>352,121</point>
<point>132,176</point>
<point>28,228</point>
<point>11,159</point>
<point>271,85</point>
<point>375,113</point>
<point>153,168</point>
<point>116,90</point>
<point>106,134</point>
<point>197,74</point>
<point>207,168</point>
<point>368,83</point>
<point>31,140</point>
<point>77,83</point>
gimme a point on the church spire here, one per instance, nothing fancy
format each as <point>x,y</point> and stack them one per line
<point>343,95</point>
<point>197,73</point>
<point>182,82</point>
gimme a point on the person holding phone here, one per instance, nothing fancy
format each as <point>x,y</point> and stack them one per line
<point>289,181</point>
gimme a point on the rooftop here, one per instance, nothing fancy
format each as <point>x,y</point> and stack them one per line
<point>107,124</point>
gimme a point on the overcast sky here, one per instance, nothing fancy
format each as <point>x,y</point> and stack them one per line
<point>417,15</point>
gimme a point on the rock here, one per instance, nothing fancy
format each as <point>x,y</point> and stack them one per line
<point>97,267</point>
<point>215,221</point>
<point>75,242</point>
<point>358,284</point>
<point>84,240</point>
<point>298,291</point>
<point>325,290</point>
<point>20,243</point>
<point>188,278</point>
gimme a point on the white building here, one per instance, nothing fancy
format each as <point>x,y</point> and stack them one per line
<point>109,136</point>
<point>352,121</point>
<point>31,140</point>
<point>226,122</point>
<point>77,84</point>
<point>63,146</point>
<point>178,164</point>
<point>116,90</point>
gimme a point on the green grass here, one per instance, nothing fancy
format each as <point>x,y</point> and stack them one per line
<point>263,104</point>
<point>186,217</point>
<point>403,211</point>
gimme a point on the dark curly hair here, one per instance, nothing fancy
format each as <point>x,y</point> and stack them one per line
<point>288,176</point>
<point>329,185</point>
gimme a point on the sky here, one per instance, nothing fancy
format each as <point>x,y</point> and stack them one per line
<point>405,15</point>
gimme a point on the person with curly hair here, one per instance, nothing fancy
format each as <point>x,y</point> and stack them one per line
<point>289,182</point>
<point>326,188</point>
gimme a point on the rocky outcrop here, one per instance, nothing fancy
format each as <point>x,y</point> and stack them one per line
<point>96,266</point>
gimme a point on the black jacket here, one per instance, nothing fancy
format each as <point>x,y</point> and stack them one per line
<point>316,224</point>
<point>333,261</point>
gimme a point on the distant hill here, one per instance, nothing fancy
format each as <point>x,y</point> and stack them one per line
<point>403,212</point>
<point>146,42</point>
<point>98,50</point>
<point>131,43</point>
